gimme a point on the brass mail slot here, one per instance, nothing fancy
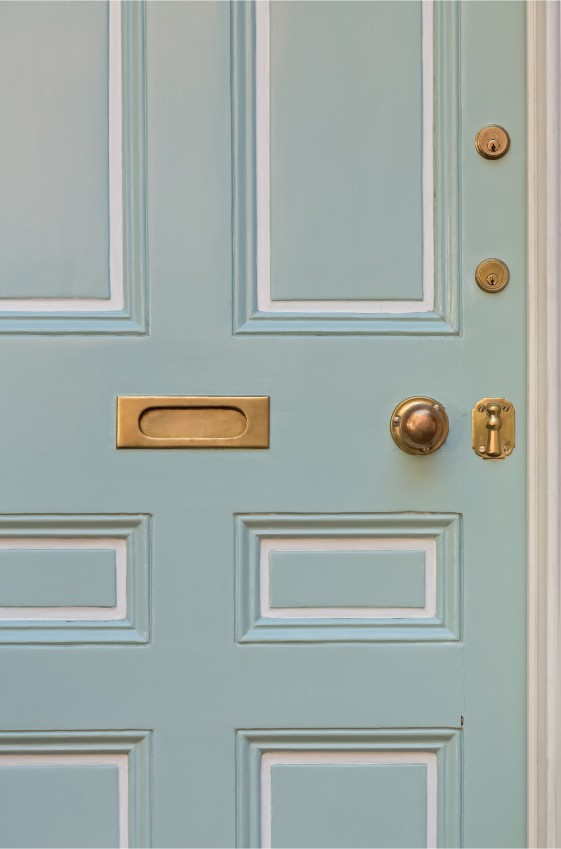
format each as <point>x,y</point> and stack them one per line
<point>192,421</point>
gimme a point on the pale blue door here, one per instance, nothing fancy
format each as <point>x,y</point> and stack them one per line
<point>319,643</point>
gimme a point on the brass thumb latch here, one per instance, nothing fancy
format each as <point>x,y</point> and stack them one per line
<point>493,428</point>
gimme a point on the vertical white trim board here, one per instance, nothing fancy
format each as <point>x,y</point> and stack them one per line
<point>265,303</point>
<point>115,141</point>
<point>544,411</point>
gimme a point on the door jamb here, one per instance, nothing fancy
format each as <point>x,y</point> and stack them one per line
<point>544,430</point>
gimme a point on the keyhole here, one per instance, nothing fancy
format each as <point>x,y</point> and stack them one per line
<point>493,145</point>
<point>492,279</point>
<point>493,425</point>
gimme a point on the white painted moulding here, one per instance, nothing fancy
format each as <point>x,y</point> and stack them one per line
<point>315,758</point>
<point>116,234</point>
<point>265,303</point>
<point>268,545</point>
<point>544,404</point>
<point>71,614</point>
<point>121,761</point>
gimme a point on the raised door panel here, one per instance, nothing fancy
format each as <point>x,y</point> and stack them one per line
<point>72,219</point>
<point>345,172</point>
<point>75,789</point>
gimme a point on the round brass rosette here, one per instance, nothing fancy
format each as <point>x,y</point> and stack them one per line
<point>419,425</point>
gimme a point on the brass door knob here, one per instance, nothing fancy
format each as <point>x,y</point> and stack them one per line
<point>419,425</point>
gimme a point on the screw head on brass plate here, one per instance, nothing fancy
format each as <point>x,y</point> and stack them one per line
<point>492,142</point>
<point>492,275</point>
<point>419,425</point>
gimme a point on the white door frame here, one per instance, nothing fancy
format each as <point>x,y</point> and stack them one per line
<point>544,429</point>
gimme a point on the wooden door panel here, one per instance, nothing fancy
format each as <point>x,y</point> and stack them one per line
<point>327,619</point>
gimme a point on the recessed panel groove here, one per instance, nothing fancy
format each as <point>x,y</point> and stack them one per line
<point>74,579</point>
<point>292,302</point>
<point>75,261</point>
<point>84,788</point>
<point>345,578</point>
<point>286,777</point>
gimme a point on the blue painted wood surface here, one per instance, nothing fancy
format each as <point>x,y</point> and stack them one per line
<point>67,806</point>
<point>46,577</point>
<point>195,664</point>
<point>54,97</point>
<point>341,805</point>
<point>347,579</point>
<point>331,122</point>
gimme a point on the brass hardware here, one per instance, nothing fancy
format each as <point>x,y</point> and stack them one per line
<point>419,425</point>
<point>492,142</point>
<point>492,275</point>
<point>493,428</point>
<point>199,421</point>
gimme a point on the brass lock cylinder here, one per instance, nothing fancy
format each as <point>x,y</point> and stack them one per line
<point>492,142</point>
<point>492,275</point>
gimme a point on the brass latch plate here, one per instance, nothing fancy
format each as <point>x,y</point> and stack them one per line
<point>192,421</point>
<point>493,428</point>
